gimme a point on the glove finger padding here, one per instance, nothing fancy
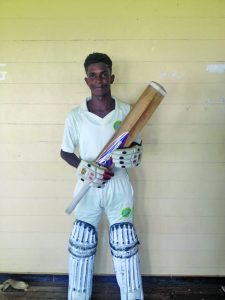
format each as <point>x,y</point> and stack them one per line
<point>127,157</point>
<point>93,174</point>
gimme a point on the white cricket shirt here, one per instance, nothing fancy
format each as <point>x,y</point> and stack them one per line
<point>89,132</point>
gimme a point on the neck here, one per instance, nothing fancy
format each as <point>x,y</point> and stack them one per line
<point>101,106</point>
<point>102,101</point>
<point>105,97</point>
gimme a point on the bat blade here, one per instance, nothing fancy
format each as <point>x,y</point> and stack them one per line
<point>128,130</point>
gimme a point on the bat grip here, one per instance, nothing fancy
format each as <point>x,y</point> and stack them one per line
<point>106,163</point>
<point>85,187</point>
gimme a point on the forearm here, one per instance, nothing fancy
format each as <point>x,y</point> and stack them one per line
<point>135,143</point>
<point>71,158</point>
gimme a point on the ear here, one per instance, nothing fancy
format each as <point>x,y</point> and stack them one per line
<point>86,80</point>
<point>112,78</point>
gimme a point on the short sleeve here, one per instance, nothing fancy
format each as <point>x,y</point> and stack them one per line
<point>70,135</point>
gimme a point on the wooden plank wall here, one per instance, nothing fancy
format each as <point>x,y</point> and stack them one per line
<point>180,208</point>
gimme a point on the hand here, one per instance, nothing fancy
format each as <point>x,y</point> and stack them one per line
<point>127,157</point>
<point>93,174</point>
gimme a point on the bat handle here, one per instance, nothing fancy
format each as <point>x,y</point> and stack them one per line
<point>106,162</point>
<point>85,187</point>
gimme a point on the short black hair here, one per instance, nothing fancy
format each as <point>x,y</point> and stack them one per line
<point>97,57</point>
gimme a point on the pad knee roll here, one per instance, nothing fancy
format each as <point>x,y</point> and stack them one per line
<point>83,240</point>
<point>123,240</point>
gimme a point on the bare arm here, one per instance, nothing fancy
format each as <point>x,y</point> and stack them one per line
<point>70,158</point>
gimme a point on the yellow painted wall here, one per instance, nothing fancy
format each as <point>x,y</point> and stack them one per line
<point>180,190</point>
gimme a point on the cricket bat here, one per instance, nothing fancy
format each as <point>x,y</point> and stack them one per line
<point>127,132</point>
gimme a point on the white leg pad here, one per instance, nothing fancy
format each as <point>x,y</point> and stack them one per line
<point>124,248</point>
<point>82,248</point>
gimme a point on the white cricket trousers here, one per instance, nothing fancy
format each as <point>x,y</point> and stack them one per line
<point>116,200</point>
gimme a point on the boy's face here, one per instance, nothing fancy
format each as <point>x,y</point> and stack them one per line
<point>99,79</point>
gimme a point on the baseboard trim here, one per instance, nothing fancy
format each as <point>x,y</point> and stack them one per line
<point>152,280</point>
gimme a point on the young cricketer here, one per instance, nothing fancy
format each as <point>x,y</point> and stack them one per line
<point>88,127</point>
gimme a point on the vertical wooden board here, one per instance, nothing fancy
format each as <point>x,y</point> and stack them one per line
<point>185,134</point>
<point>43,93</point>
<point>30,133</point>
<point>189,153</point>
<point>29,171</point>
<point>188,242</point>
<point>35,189</point>
<point>47,114</point>
<point>32,205</point>
<point>124,28</point>
<point>178,189</point>
<point>148,50</point>
<point>178,171</point>
<point>179,224</point>
<point>20,224</point>
<point>207,93</point>
<point>208,206</point>
<point>41,260</point>
<point>174,259</point>
<point>35,114</point>
<point>138,72</point>
<point>29,240</point>
<point>131,8</point>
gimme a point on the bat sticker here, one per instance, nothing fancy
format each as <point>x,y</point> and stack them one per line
<point>105,158</point>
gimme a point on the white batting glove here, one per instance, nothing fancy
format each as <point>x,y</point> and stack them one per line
<point>127,157</point>
<point>93,174</point>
